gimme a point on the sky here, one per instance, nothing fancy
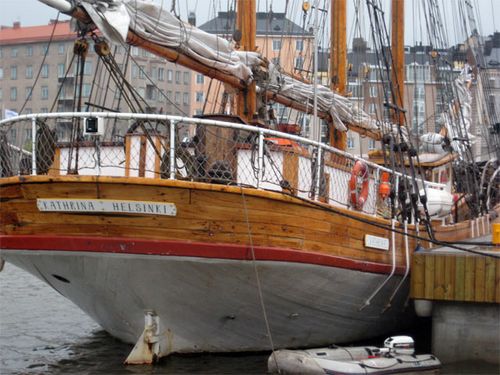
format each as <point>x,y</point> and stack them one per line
<point>32,12</point>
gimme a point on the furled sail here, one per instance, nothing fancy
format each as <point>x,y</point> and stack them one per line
<point>456,121</point>
<point>115,18</point>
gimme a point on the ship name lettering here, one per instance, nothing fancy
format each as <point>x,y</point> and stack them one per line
<point>82,205</point>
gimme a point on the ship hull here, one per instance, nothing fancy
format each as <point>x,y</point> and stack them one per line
<point>199,267</point>
<point>210,304</point>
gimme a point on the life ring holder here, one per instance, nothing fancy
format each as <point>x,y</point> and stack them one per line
<point>360,169</point>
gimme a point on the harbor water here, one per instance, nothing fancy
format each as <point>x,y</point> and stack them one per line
<point>43,333</point>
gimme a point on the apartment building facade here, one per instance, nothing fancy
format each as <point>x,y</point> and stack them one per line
<point>38,72</point>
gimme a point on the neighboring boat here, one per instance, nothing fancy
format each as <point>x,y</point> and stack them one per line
<point>232,242</point>
<point>396,357</point>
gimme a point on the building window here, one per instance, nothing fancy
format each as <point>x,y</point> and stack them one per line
<point>86,90</point>
<point>141,92</point>
<point>177,97</point>
<point>13,94</point>
<point>13,72</point>
<point>186,78</point>
<point>185,98</point>
<point>161,74</point>
<point>29,71</point>
<point>28,111</point>
<point>1,94</point>
<point>135,51</point>
<point>276,44</point>
<point>371,144</point>
<point>13,52</point>
<point>170,75</point>
<point>87,69</point>
<point>419,92</point>
<point>299,45</point>
<point>200,79</point>
<point>28,91</point>
<point>45,71</point>
<point>151,93</point>
<point>45,92</point>
<point>350,142</point>
<point>177,77</point>
<point>299,63</point>
<point>373,91</point>
<point>356,90</point>
<point>29,50</point>
<point>44,49</point>
<point>1,73</point>
<point>42,110</point>
<point>61,70</point>
<point>135,71</point>
<point>60,48</point>
<point>142,72</point>
<point>169,96</point>
<point>372,109</point>
<point>199,96</point>
<point>276,60</point>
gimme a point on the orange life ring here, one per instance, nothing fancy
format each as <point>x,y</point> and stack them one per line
<point>384,189</point>
<point>359,170</point>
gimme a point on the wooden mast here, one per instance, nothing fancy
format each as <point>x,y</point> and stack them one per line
<point>398,58</point>
<point>246,23</point>
<point>338,61</point>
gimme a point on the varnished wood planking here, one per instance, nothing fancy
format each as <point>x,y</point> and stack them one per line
<point>455,277</point>
<point>439,277</point>
<point>449,278</point>
<point>290,170</point>
<point>497,281</point>
<point>479,279</point>
<point>429,278</point>
<point>489,279</point>
<point>470,278</point>
<point>320,233</point>
<point>459,278</point>
<point>417,276</point>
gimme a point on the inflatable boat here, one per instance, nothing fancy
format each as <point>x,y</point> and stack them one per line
<point>396,357</point>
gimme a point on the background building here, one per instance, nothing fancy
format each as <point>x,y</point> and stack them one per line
<point>279,39</point>
<point>38,74</point>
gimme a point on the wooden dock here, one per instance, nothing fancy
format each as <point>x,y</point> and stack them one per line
<point>446,274</point>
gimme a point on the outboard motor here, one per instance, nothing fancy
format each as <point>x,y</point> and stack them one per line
<point>400,345</point>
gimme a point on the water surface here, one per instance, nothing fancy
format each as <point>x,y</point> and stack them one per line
<point>41,332</point>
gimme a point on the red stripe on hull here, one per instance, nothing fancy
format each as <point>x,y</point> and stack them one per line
<point>187,249</point>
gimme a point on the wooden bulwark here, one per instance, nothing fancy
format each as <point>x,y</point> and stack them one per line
<point>455,277</point>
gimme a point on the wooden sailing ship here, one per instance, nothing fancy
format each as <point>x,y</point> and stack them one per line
<point>234,243</point>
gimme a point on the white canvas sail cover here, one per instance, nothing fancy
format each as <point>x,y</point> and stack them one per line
<point>457,120</point>
<point>150,21</point>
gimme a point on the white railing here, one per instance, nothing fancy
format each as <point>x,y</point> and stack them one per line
<point>318,171</point>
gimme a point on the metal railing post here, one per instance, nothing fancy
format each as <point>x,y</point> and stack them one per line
<point>172,150</point>
<point>318,172</point>
<point>260,160</point>
<point>33,146</point>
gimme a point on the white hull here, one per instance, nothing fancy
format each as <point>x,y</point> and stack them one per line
<point>213,305</point>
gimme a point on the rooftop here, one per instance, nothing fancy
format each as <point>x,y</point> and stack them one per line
<point>268,23</point>
<point>16,34</point>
